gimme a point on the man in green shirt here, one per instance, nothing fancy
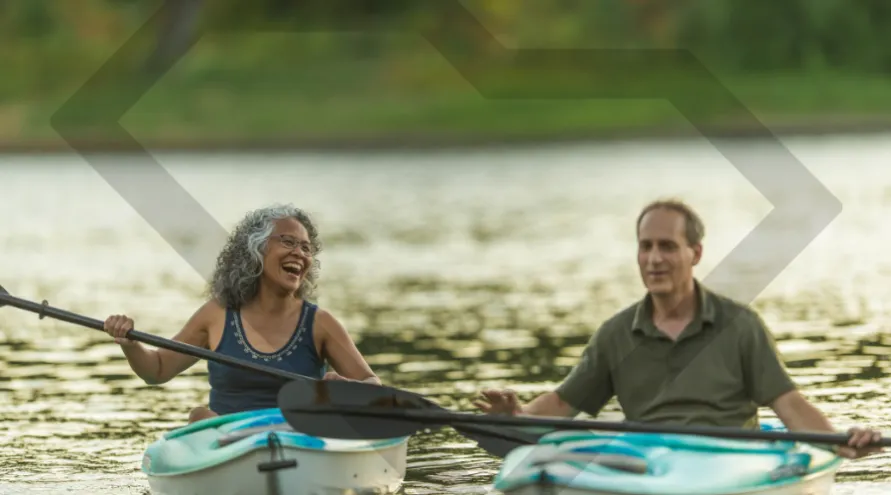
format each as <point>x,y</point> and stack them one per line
<point>682,354</point>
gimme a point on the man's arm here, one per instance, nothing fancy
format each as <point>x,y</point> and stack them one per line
<point>549,404</point>
<point>587,388</point>
<point>798,414</point>
<point>769,384</point>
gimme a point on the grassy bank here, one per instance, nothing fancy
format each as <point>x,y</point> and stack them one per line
<point>346,105</point>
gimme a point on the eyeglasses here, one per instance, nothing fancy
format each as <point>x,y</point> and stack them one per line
<point>291,243</point>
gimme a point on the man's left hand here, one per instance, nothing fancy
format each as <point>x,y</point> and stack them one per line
<point>861,443</point>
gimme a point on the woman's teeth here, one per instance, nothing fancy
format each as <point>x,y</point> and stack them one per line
<point>294,268</point>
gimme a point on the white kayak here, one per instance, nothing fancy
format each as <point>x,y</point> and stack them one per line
<point>257,453</point>
<point>588,463</point>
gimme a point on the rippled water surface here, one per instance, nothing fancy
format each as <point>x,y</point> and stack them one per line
<point>453,272</point>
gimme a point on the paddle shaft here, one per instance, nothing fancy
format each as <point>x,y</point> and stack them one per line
<point>456,419</point>
<point>429,416</point>
<point>199,352</point>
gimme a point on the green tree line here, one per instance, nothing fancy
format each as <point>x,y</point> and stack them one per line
<point>51,47</point>
<point>740,35</point>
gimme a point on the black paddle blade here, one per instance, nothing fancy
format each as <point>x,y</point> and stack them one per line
<point>297,398</point>
<point>499,440</point>
<point>323,408</point>
<point>3,292</point>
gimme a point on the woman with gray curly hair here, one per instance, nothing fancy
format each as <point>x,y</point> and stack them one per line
<point>258,310</point>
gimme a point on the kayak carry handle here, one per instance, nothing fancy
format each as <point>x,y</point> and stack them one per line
<point>273,465</point>
<point>266,467</point>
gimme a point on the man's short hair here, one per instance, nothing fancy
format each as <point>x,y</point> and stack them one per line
<point>694,228</point>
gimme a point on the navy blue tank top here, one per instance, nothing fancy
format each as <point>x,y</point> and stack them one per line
<point>235,390</point>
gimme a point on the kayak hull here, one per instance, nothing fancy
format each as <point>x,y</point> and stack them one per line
<point>238,453</point>
<point>588,463</point>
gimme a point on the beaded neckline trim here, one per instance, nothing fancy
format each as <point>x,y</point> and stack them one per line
<point>278,355</point>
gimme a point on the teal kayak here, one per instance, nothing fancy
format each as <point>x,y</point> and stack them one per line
<point>591,463</point>
<point>257,452</point>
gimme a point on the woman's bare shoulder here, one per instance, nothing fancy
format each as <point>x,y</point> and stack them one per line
<point>207,315</point>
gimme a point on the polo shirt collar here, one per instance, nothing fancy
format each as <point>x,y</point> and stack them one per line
<point>643,321</point>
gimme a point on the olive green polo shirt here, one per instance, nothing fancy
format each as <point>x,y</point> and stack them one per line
<point>723,366</point>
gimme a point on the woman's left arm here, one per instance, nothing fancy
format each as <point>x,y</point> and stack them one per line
<point>339,349</point>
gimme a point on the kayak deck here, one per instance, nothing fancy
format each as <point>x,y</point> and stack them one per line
<point>582,462</point>
<point>239,453</point>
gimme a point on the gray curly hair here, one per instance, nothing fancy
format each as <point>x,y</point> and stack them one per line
<point>236,278</point>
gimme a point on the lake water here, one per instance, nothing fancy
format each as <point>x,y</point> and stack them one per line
<point>453,272</point>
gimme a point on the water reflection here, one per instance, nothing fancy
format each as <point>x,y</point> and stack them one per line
<point>448,284</point>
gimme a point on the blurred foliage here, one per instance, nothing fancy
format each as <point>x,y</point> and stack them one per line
<point>51,47</point>
<point>742,35</point>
